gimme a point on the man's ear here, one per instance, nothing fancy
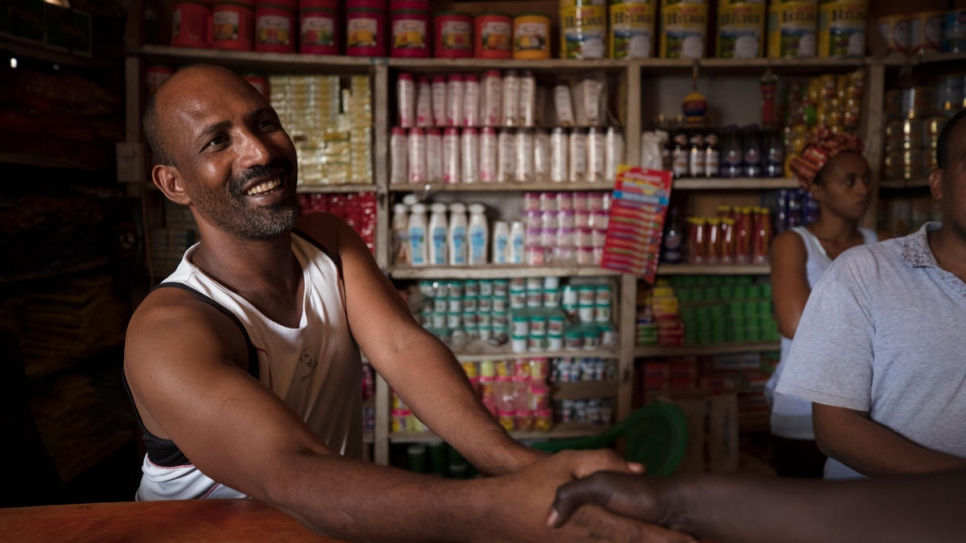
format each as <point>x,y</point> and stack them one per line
<point>168,180</point>
<point>936,184</point>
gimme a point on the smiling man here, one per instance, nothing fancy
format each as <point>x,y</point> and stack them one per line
<point>244,364</point>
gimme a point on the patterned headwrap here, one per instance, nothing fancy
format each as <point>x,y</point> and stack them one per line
<point>823,147</point>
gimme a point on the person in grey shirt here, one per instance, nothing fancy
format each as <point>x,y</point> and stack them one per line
<point>880,350</point>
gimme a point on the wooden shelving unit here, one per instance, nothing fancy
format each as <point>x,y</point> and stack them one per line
<point>743,183</point>
<point>559,431</point>
<point>713,269</point>
<point>335,189</point>
<point>497,271</point>
<point>701,350</point>
<point>501,187</point>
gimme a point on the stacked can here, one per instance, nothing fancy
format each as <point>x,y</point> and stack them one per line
<point>464,311</point>
<point>565,227</point>
<point>595,412</point>
<point>915,117</point>
<point>590,306</point>
<point>570,369</point>
<point>514,391</point>
<point>725,309</point>
<point>536,322</point>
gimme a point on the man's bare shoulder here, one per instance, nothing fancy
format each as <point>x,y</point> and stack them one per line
<point>324,228</point>
<point>171,321</point>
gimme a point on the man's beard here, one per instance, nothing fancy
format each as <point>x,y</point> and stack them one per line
<point>233,216</point>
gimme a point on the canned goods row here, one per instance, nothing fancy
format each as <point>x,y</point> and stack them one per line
<point>909,163</point>
<point>913,133</point>
<point>945,98</point>
<point>508,99</point>
<point>596,412</point>
<point>567,220</point>
<point>578,201</point>
<point>572,370</point>
<point>925,32</point>
<point>519,155</point>
<point>742,238</point>
<point>585,336</point>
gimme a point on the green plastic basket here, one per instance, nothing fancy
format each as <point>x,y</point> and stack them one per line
<point>656,436</point>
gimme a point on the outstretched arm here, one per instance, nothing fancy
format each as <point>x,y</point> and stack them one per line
<point>763,510</point>
<point>417,365</point>
<point>872,449</point>
<point>789,281</point>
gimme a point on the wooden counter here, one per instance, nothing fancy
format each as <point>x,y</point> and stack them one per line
<point>195,521</point>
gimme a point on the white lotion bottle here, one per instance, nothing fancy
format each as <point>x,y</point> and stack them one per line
<point>457,234</point>
<point>479,235</point>
<point>438,231</point>
<point>417,235</point>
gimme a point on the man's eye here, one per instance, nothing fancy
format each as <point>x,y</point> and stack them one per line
<point>267,125</point>
<point>216,141</point>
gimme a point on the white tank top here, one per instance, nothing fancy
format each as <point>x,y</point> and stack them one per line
<point>791,417</point>
<point>315,368</point>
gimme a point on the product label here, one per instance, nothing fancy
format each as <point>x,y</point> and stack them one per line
<point>409,34</point>
<point>274,30</point>
<point>741,30</point>
<point>318,31</point>
<point>225,25</point>
<point>632,30</point>
<point>439,246</point>
<point>584,32</point>
<point>531,37</point>
<point>459,245</point>
<point>417,241</point>
<point>495,36</point>
<point>842,29</point>
<point>500,249</point>
<point>362,32</point>
<point>478,246</point>
<point>792,29</point>
<point>685,30</point>
<point>456,36</point>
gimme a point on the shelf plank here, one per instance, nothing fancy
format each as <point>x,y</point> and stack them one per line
<point>480,350</point>
<point>98,164</point>
<point>443,65</point>
<point>499,187</point>
<point>744,183</point>
<point>916,182</point>
<point>584,389</point>
<point>559,431</point>
<point>701,350</point>
<point>46,274</point>
<point>335,189</point>
<point>249,60</point>
<point>783,65</point>
<point>38,51</point>
<point>497,271</point>
<point>713,269</point>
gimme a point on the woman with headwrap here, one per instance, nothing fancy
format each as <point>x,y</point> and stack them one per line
<point>833,170</point>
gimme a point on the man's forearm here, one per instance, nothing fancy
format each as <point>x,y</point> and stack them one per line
<point>764,510</point>
<point>873,449</point>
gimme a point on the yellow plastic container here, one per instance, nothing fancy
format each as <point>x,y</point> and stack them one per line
<point>841,28</point>
<point>632,26</point>
<point>531,36</point>
<point>684,28</point>
<point>583,32</point>
<point>792,29</point>
<point>741,29</point>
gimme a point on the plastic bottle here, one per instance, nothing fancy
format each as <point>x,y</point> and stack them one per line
<point>400,235</point>
<point>418,249</point>
<point>438,231</point>
<point>479,235</point>
<point>751,147</point>
<point>773,154</point>
<point>517,237</point>
<point>501,242</point>
<point>711,154</point>
<point>673,239</point>
<point>457,234</point>
<point>731,154</point>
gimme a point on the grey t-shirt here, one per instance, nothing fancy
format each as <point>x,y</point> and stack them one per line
<point>883,332</point>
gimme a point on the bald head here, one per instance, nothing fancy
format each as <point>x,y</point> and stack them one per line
<point>177,88</point>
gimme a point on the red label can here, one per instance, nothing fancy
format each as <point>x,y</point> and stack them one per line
<point>493,36</point>
<point>318,31</point>
<point>191,24</point>
<point>365,32</point>
<point>453,35</point>
<point>275,26</point>
<point>410,34</point>
<point>232,24</point>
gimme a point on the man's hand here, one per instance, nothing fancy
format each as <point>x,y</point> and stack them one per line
<point>520,501</point>
<point>629,495</point>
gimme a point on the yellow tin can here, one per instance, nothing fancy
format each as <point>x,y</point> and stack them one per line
<point>531,36</point>
<point>741,29</point>
<point>583,32</point>
<point>632,29</point>
<point>581,3</point>
<point>841,28</point>
<point>684,28</point>
<point>792,29</point>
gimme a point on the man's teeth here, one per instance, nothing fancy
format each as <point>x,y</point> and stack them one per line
<point>264,187</point>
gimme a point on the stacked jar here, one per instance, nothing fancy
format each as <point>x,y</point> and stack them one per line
<point>318,27</point>
<point>514,391</point>
<point>275,26</point>
<point>410,35</point>
<point>565,227</point>
<point>493,36</point>
<point>591,307</point>
<point>461,312</point>
<point>365,28</point>
<point>453,34</point>
<point>191,24</point>
<point>232,23</point>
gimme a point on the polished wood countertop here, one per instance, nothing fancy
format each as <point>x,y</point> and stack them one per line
<point>195,521</point>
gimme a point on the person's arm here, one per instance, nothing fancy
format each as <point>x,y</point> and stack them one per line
<point>871,449</point>
<point>184,363</point>
<point>789,280</point>
<point>736,509</point>
<point>420,368</point>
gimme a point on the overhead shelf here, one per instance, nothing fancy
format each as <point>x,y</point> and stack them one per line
<point>249,60</point>
<point>38,51</point>
<point>700,350</point>
<point>478,351</point>
<point>437,65</point>
<point>499,187</point>
<point>497,271</point>
<point>559,431</point>
<point>714,269</point>
<point>335,189</point>
<point>917,182</point>
<point>750,183</point>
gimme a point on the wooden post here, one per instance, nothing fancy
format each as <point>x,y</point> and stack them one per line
<point>628,337</point>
